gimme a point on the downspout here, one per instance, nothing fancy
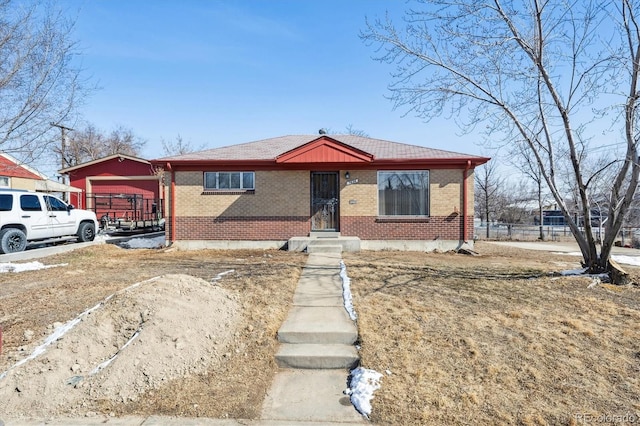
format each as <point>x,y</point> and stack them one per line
<point>465,196</point>
<point>172,205</point>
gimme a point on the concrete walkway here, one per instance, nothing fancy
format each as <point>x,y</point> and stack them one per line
<point>316,352</point>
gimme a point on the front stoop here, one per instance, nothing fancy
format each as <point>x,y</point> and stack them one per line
<point>324,244</point>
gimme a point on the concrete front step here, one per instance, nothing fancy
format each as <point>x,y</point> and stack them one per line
<point>316,356</point>
<point>324,248</point>
<point>318,324</point>
<point>324,234</point>
<point>349,244</point>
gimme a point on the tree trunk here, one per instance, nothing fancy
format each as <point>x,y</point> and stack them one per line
<point>486,221</point>
<point>540,211</point>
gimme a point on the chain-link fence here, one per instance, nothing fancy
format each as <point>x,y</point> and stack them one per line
<point>629,237</point>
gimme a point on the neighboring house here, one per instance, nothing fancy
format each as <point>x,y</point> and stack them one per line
<point>261,194</point>
<point>17,175</point>
<point>118,186</point>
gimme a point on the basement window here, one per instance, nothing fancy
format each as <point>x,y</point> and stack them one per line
<point>229,181</point>
<point>403,193</point>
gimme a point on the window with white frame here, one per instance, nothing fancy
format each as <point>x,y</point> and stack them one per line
<point>5,182</point>
<point>229,181</point>
<point>403,193</point>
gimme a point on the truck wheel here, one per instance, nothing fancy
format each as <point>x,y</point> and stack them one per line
<point>86,232</point>
<point>12,240</point>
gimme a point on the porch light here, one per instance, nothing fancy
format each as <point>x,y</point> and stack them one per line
<point>347,175</point>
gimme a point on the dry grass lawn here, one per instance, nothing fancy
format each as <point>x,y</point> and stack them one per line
<point>495,339</point>
<point>492,339</point>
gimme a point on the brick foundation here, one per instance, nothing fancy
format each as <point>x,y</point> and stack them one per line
<point>433,228</point>
<point>252,228</point>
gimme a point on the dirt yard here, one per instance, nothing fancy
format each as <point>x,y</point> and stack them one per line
<point>493,339</point>
<point>204,348</point>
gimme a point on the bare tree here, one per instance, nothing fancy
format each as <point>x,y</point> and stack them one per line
<point>39,84</point>
<point>513,205</point>
<point>524,161</point>
<point>546,74</point>
<point>349,130</point>
<point>356,132</point>
<point>488,189</point>
<point>178,147</point>
<point>91,144</point>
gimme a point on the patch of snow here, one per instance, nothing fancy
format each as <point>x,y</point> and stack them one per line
<point>567,253</point>
<point>28,266</point>
<point>346,292</point>
<point>105,364</point>
<point>594,282</point>
<point>627,260</point>
<point>101,238</point>
<point>142,242</point>
<point>222,274</point>
<point>570,272</point>
<point>620,258</point>
<point>363,384</point>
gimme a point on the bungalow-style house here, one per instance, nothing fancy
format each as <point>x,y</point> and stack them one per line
<point>263,194</point>
<point>16,175</point>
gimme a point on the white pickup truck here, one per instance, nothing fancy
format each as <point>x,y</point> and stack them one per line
<point>32,216</point>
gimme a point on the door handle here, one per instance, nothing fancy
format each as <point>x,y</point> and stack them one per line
<point>26,217</point>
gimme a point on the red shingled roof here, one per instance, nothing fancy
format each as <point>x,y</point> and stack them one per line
<point>11,168</point>
<point>271,149</point>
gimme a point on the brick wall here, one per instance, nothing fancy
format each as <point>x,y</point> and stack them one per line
<point>361,198</point>
<point>253,228</point>
<point>277,193</point>
<point>280,206</point>
<point>445,193</point>
<point>433,228</point>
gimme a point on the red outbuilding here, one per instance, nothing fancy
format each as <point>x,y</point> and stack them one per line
<point>117,188</point>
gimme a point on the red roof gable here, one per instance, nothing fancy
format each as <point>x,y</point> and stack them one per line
<point>91,163</point>
<point>324,150</point>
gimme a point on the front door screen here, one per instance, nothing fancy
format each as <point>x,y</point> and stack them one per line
<point>324,201</point>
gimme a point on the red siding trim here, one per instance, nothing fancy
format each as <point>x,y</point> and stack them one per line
<point>255,165</point>
<point>324,150</point>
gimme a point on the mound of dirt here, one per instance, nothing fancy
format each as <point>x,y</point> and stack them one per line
<point>133,342</point>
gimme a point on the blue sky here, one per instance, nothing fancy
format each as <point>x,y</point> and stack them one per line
<point>226,72</point>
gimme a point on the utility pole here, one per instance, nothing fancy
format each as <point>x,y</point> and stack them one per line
<point>63,162</point>
<point>63,137</point>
